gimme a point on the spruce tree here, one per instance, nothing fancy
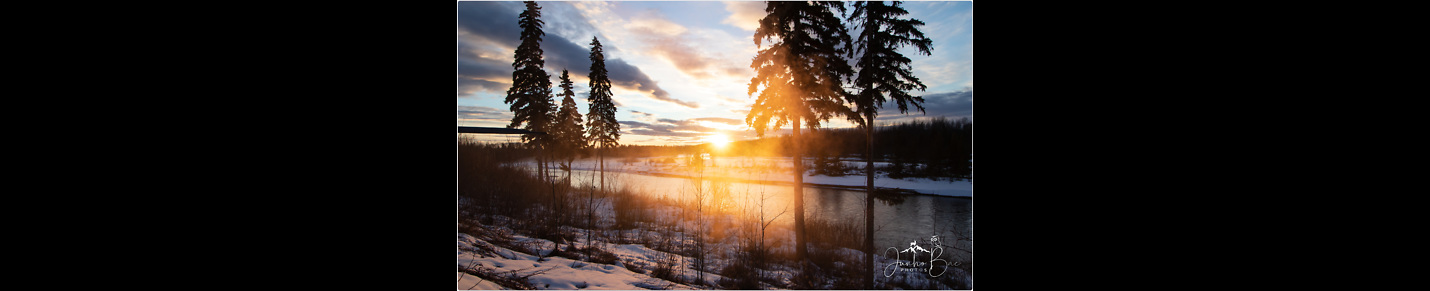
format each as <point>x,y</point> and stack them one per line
<point>802,74</point>
<point>569,137</point>
<point>601,127</point>
<point>570,132</point>
<point>530,92</point>
<point>882,71</point>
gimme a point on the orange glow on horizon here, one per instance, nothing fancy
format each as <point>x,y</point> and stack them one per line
<point>720,141</point>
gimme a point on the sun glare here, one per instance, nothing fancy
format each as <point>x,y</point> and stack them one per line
<point>718,140</point>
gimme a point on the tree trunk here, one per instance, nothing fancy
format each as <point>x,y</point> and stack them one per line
<point>869,203</point>
<point>601,153</point>
<point>590,213</point>
<point>801,251</point>
<point>591,199</point>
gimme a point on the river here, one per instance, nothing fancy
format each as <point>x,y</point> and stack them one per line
<point>917,219</point>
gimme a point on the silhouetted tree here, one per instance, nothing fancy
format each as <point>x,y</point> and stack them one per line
<point>567,135</point>
<point>601,127</point>
<point>530,92</point>
<point>883,70</point>
<point>802,73</point>
<point>569,132</point>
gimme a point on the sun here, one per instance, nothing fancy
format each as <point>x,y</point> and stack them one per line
<point>718,140</point>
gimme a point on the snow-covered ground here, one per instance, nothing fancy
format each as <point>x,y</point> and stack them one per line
<point>553,272</point>
<point>531,264</point>
<point>772,169</point>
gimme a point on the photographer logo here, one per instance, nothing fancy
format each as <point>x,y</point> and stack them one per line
<point>934,265</point>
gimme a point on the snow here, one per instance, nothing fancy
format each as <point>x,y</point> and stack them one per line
<point>567,274</point>
<point>585,276</point>
<point>554,272</point>
<point>924,186</point>
<point>469,282</point>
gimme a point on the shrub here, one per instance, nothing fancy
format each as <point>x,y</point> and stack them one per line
<point>635,266</point>
<point>739,276</point>
<point>848,234</point>
<point>598,255</point>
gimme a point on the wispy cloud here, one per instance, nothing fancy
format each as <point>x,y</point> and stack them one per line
<point>683,127</point>
<point>664,127</point>
<point>745,14</point>
<point>673,42</point>
<point>730,121</point>
<point>631,78</point>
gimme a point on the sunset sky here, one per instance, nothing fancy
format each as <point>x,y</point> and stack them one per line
<point>680,69</point>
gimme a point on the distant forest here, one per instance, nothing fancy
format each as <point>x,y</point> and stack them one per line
<point>931,148</point>
<point>934,148</point>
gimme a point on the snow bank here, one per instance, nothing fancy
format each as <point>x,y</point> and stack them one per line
<point>553,272</point>
<point>924,186</point>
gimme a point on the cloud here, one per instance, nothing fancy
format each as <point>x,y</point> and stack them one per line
<point>950,25</point>
<point>745,14</point>
<point>493,21</point>
<point>561,53</point>
<point>634,124</point>
<point>667,128</point>
<point>685,125</point>
<point>483,116</point>
<point>625,75</point>
<point>480,69</point>
<point>470,86</point>
<point>948,104</point>
<point>484,29</point>
<point>690,60</point>
<point>573,23</point>
<point>487,36</point>
<point>673,42</point>
<point>664,133</point>
<point>730,121</point>
<point>652,23</point>
<point>642,128</point>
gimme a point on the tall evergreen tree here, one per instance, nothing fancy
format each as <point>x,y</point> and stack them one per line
<point>882,71</point>
<point>530,92</point>
<point>802,74</point>
<point>570,132</point>
<point>601,127</point>
<point>569,137</point>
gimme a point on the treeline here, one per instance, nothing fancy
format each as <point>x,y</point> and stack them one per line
<point>930,148</point>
